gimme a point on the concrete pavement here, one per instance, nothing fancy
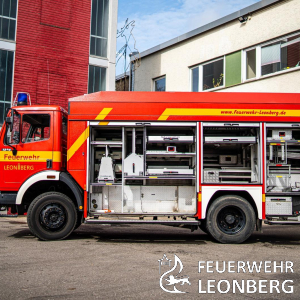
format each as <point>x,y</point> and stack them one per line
<point>109,262</point>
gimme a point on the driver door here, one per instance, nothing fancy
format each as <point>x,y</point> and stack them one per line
<point>9,139</point>
<point>34,145</point>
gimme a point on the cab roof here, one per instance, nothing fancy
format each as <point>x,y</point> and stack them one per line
<point>40,108</point>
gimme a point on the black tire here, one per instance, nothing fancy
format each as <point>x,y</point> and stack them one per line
<point>52,216</point>
<point>230,219</point>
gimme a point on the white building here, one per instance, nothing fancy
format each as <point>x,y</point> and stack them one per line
<point>256,49</point>
<point>103,44</point>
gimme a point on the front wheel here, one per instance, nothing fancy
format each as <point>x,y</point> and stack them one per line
<point>230,219</point>
<point>52,216</point>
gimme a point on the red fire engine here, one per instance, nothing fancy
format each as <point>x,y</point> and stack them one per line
<point>221,161</point>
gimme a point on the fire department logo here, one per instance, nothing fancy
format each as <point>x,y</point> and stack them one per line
<point>167,280</point>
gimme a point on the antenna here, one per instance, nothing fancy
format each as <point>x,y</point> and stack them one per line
<point>122,53</point>
<point>48,82</point>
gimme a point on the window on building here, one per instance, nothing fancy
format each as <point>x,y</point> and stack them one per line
<point>281,55</point>
<point>97,79</point>
<point>270,58</point>
<point>208,76</point>
<point>99,28</point>
<point>6,71</point>
<point>251,64</point>
<point>160,84</point>
<point>275,56</point>
<point>8,14</point>
<point>195,79</point>
<point>213,74</point>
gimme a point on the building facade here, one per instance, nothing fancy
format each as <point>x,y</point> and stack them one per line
<point>256,49</point>
<point>55,50</point>
<point>122,82</point>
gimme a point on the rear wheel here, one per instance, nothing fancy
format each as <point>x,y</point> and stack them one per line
<point>230,219</point>
<point>52,216</point>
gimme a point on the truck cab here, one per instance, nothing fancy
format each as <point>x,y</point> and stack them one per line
<point>33,145</point>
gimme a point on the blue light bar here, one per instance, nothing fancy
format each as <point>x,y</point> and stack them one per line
<point>22,99</point>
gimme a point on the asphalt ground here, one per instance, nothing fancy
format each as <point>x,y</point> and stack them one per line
<point>122,262</point>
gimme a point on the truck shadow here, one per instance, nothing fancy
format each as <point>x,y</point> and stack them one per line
<point>127,234</point>
<point>118,234</point>
<point>149,234</point>
<point>281,235</point>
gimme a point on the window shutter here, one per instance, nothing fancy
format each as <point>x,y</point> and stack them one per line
<point>270,54</point>
<point>233,70</point>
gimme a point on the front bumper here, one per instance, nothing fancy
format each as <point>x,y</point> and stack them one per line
<point>8,198</point>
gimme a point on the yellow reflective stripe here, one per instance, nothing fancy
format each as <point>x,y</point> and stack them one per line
<point>199,197</point>
<point>103,123</point>
<point>263,198</point>
<point>30,156</point>
<point>104,112</point>
<point>56,156</point>
<point>83,137</point>
<point>227,112</point>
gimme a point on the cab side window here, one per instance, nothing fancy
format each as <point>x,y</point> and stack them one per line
<point>65,125</point>
<point>35,127</point>
<point>12,136</point>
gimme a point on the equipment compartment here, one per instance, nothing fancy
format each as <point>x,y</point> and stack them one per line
<point>281,206</point>
<point>231,153</point>
<point>170,151</point>
<point>146,169</point>
<point>283,158</point>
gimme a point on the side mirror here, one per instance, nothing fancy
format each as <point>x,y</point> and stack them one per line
<point>14,152</point>
<point>10,120</point>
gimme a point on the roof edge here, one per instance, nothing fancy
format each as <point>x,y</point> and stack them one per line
<point>249,9</point>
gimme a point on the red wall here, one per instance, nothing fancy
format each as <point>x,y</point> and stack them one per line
<point>52,46</point>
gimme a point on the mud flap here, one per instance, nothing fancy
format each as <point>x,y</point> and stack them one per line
<point>259,225</point>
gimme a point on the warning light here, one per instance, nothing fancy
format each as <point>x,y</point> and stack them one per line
<point>22,99</point>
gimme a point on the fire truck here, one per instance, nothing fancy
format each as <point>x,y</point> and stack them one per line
<point>224,162</point>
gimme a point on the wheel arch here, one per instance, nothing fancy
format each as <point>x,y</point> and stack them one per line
<point>254,197</point>
<point>50,181</point>
<point>77,191</point>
